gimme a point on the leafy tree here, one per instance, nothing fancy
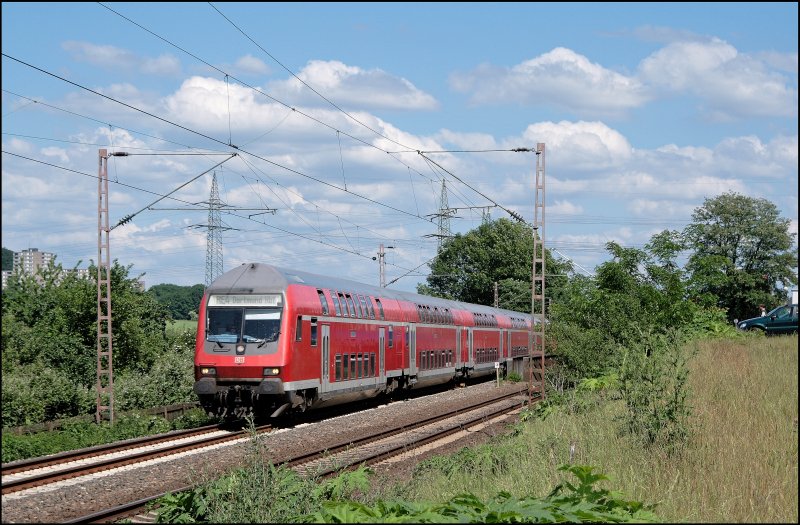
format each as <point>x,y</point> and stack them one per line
<point>467,266</point>
<point>741,249</point>
<point>637,292</point>
<point>8,260</point>
<point>49,329</point>
<point>181,301</point>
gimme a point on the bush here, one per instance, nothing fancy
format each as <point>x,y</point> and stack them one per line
<point>35,393</point>
<point>654,385</point>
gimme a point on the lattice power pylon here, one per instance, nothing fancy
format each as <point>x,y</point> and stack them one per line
<point>442,218</point>
<point>214,237</point>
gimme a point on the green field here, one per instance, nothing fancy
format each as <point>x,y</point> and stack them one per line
<point>181,324</point>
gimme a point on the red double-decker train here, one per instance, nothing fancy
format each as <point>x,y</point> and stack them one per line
<point>272,339</point>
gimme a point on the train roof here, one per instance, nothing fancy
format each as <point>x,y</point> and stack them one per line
<point>265,278</point>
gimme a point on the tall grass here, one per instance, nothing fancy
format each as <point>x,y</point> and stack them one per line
<point>739,464</point>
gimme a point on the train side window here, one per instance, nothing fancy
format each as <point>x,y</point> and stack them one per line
<point>298,330</point>
<point>345,306</point>
<point>353,366</point>
<point>380,308</point>
<point>359,366</point>
<point>359,306</point>
<point>313,331</point>
<point>371,309</point>
<point>337,369</point>
<point>422,360</point>
<point>407,331</point>
<point>363,302</point>
<point>391,337</point>
<point>323,302</point>
<point>336,306</point>
<point>345,366</point>
<point>372,364</point>
<point>352,306</point>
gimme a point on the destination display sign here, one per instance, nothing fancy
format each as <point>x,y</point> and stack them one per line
<point>245,300</point>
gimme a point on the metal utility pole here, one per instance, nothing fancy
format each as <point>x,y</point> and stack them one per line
<point>105,368</point>
<point>382,264</point>
<point>538,271</point>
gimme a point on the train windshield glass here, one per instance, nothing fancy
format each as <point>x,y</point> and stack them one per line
<point>224,325</point>
<point>261,325</point>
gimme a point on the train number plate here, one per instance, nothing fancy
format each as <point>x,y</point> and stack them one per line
<point>239,359</point>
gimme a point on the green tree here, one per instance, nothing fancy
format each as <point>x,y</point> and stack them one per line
<point>8,260</point>
<point>49,329</point>
<point>181,301</point>
<point>637,292</point>
<point>467,266</point>
<point>742,249</point>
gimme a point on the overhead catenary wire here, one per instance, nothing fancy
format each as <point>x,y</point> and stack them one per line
<point>295,234</point>
<point>222,142</point>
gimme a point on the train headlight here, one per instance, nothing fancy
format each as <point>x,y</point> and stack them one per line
<point>239,349</point>
<point>208,371</point>
<point>271,371</point>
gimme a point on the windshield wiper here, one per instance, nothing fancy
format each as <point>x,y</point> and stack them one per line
<point>270,339</point>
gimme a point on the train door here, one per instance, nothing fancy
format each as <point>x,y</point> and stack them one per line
<point>458,348</point>
<point>412,349</point>
<point>325,379</point>
<point>470,349</point>
<point>382,355</point>
<point>500,354</point>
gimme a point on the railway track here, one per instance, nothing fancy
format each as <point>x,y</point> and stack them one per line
<point>348,454</point>
<point>37,472</point>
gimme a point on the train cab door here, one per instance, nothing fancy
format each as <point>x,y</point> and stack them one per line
<point>325,379</point>
<point>382,354</point>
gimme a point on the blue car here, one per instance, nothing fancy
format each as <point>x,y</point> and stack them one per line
<point>781,320</point>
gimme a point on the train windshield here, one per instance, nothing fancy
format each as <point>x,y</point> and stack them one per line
<point>251,325</point>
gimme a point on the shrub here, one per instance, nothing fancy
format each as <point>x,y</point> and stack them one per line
<point>654,385</point>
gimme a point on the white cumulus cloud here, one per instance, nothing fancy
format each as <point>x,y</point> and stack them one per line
<point>560,77</point>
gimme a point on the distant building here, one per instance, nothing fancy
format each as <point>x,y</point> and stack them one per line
<point>29,261</point>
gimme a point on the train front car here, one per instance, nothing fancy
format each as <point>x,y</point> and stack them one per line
<point>241,346</point>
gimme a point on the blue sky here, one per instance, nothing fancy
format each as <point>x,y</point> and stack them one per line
<point>646,110</point>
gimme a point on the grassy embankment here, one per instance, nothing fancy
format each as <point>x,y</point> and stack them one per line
<point>740,463</point>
